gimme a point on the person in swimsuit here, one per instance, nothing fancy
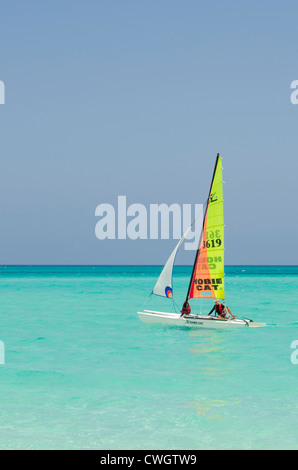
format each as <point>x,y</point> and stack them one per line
<point>221,310</point>
<point>185,309</point>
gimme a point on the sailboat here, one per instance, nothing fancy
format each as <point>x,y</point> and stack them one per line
<point>207,278</point>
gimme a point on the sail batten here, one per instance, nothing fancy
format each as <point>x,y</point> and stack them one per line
<point>207,280</point>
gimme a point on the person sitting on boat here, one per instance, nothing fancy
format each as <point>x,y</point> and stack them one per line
<point>185,309</point>
<point>221,310</point>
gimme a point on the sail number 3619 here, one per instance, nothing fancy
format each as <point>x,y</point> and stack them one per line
<point>212,243</point>
<point>213,239</point>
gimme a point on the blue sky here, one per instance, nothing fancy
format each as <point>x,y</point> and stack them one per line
<point>108,98</point>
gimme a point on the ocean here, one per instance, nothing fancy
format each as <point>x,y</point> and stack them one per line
<point>82,372</point>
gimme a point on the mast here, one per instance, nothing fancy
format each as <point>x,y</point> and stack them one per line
<point>204,221</point>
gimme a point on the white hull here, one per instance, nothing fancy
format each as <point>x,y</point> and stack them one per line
<point>195,321</point>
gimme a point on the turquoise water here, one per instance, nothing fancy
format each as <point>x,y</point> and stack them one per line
<point>82,372</point>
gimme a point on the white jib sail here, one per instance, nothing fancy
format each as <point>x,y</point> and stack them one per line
<point>163,286</point>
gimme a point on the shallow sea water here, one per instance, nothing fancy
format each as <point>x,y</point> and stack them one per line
<point>82,372</point>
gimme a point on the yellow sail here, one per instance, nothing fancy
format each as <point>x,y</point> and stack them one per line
<point>208,274</point>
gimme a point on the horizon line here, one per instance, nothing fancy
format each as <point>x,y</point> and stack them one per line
<point>135,265</point>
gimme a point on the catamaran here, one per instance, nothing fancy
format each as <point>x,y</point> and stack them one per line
<point>207,278</point>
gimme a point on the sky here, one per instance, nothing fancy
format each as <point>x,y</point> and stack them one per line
<point>106,98</point>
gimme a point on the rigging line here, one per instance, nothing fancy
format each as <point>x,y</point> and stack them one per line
<point>147,300</point>
<point>182,241</point>
<point>202,210</point>
<point>175,305</point>
<point>198,250</point>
